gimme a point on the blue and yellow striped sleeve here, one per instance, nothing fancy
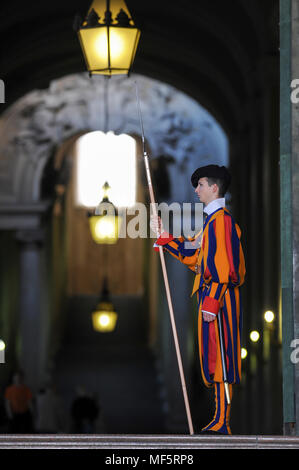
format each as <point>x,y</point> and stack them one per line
<point>179,248</point>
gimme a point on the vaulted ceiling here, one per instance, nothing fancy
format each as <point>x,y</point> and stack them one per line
<point>217,51</point>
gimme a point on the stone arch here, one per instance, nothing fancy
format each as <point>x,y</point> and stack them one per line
<point>34,127</point>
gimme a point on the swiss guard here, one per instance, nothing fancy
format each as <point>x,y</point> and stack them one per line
<point>216,257</point>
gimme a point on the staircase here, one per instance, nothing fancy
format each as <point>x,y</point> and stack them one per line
<point>118,368</point>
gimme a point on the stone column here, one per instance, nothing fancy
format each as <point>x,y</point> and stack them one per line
<point>289,218</point>
<point>241,156</point>
<point>271,359</point>
<point>295,193</point>
<point>31,327</point>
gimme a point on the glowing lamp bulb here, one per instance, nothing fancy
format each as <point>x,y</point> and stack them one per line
<point>116,45</point>
<point>103,319</point>
<point>243,353</point>
<point>254,336</point>
<point>105,228</point>
<point>269,316</point>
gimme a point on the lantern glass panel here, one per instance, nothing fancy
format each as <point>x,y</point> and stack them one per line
<point>90,39</point>
<point>123,43</point>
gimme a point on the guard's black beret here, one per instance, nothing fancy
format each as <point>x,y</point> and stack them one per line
<point>211,171</point>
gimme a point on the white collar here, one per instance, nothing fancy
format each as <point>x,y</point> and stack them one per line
<point>214,205</point>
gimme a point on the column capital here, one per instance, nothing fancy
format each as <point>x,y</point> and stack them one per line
<point>29,216</point>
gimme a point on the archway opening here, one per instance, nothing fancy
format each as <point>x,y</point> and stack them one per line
<point>101,158</point>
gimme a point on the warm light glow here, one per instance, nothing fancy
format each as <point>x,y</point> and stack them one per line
<point>104,229</point>
<point>269,316</point>
<point>106,157</point>
<point>104,321</point>
<point>243,353</point>
<point>2,345</point>
<point>254,336</point>
<point>116,44</point>
<point>123,44</point>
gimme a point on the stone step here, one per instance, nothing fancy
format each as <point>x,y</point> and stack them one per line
<point>71,441</point>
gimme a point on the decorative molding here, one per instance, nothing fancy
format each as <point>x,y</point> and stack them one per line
<point>22,216</point>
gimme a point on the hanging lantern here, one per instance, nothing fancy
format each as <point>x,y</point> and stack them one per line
<point>104,317</point>
<point>104,222</point>
<point>108,38</point>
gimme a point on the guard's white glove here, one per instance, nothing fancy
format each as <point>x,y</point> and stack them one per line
<point>208,316</point>
<point>156,225</point>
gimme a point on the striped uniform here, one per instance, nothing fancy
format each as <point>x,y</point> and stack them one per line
<point>220,267</point>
